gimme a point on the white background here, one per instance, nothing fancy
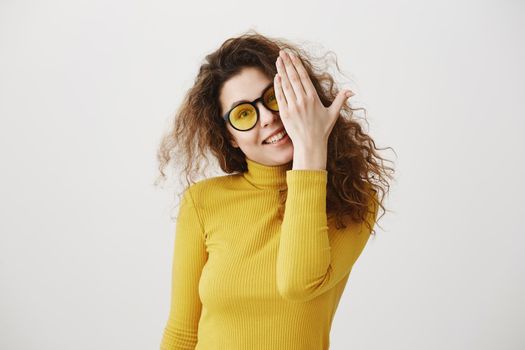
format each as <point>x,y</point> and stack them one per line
<point>88,87</point>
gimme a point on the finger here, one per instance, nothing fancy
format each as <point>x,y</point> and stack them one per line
<point>293,76</point>
<point>308,86</point>
<point>285,83</point>
<point>339,101</point>
<point>279,94</point>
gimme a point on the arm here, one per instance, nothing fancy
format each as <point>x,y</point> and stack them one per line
<point>312,257</point>
<point>189,258</point>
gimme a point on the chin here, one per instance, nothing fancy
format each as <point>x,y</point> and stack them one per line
<point>283,157</point>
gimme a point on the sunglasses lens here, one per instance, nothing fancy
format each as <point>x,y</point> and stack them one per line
<point>270,101</point>
<point>243,117</point>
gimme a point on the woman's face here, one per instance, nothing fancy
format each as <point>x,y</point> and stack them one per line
<point>249,85</point>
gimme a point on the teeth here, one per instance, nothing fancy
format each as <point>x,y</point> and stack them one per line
<point>276,138</point>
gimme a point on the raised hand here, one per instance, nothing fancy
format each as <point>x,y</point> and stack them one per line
<point>307,122</point>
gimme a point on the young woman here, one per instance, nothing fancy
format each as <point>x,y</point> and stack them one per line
<point>262,255</point>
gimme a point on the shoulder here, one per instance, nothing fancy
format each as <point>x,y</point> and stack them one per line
<point>213,186</point>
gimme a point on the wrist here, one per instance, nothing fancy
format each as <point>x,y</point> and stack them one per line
<point>311,157</point>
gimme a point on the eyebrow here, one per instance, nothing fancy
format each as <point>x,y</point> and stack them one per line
<point>236,102</point>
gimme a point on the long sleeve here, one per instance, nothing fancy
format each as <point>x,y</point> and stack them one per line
<point>312,258</point>
<point>189,257</point>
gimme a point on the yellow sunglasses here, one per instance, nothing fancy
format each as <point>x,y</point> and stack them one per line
<point>244,115</point>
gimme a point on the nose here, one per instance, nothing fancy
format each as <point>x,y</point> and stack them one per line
<point>266,115</point>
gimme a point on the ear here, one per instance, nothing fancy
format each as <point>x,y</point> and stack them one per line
<point>231,139</point>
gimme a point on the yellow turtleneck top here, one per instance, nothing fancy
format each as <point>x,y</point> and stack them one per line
<point>245,279</point>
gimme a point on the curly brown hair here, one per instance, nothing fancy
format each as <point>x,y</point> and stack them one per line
<point>354,167</point>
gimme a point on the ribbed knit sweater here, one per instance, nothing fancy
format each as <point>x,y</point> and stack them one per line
<point>247,278</point>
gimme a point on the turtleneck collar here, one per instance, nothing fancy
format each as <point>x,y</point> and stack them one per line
<point>265,176</point>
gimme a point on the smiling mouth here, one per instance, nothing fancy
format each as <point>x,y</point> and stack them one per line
<point>284,136</point>
<point>284,139</point>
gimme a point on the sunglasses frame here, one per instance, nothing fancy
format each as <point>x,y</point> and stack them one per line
<point>226,116</point>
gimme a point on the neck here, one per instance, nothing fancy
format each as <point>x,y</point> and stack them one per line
<point>267,176</point>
